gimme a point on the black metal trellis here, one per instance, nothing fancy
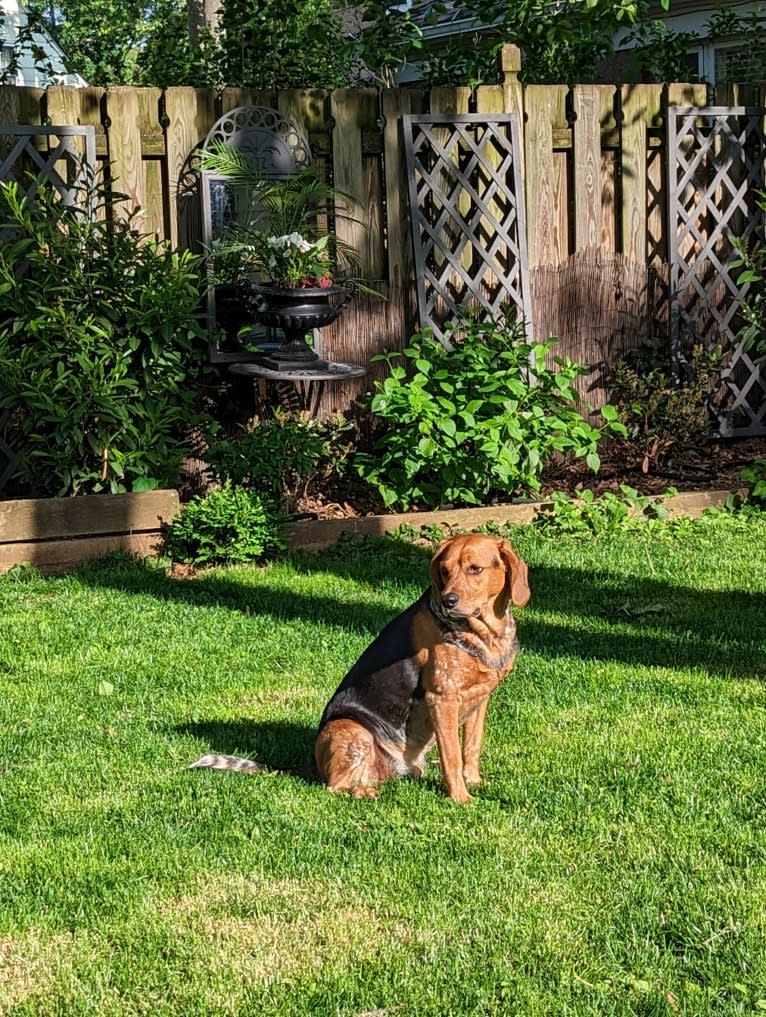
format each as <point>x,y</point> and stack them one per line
<point>467,213</point>
<point>62,157</point>
<point>716,167</point>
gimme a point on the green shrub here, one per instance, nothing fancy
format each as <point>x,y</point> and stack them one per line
<point>608,513</point>
<point>752,260</point>
<point>658,413</point>
<point>100,347</point>
<point>755,478</point>
<point>225,525</point>
<point>476,418</point>
<point>284,457</point>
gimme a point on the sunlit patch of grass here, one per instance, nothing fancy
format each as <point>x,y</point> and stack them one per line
<point>24,969</point>
<point>263,930</point>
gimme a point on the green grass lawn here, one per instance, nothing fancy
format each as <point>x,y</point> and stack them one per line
<point>614,862</point>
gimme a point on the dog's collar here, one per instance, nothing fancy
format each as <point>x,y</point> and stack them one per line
<point>458,633</point>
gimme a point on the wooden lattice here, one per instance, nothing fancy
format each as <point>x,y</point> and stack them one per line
<point>62,157</point>
<point>467,213</point>
<point>716,166</point>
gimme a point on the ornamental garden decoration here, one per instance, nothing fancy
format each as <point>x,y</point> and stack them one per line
<point>267,219</point>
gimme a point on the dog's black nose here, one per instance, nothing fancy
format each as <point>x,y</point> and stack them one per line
<point>450,600</point>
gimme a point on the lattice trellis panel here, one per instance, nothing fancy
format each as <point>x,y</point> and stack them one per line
<point>716,164</point>
<point>467,212</point>
<point>63,157</point>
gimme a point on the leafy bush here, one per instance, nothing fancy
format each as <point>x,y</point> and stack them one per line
<point>755,477</point>
<point>608,513</point>
<point>225,525</point>
<point>752,260</point>
<point>475,419</point>
<point>658,413</point>
<point>100,347</point>
<point>285,457</point>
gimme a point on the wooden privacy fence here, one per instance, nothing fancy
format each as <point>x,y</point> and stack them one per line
<point>594,155</point>
<point>594,175</point>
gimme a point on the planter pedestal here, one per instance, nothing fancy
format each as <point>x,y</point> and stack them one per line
<point>309,381</point>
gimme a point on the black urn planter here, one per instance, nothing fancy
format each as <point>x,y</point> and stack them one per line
<point>296,311</point>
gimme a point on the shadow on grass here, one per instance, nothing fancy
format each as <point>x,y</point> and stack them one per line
<point>280,746</point>
<point>216,590</point>
<point>646,621</point>
<point>605,615</point>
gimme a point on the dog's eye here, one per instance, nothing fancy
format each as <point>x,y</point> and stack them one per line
<point>474,570</point>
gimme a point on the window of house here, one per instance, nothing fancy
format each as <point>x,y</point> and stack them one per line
<point>693,63</point>
<point>6,58</point>
<point>739,62</point>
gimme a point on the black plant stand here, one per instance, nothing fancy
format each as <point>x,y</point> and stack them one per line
<point>309,382</point>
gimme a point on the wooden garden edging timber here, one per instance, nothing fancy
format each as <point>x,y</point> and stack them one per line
<point>59,533</point>
<point>314,534</point>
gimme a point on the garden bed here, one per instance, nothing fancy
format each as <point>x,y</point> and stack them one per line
<point>708,465</point>
<point>59,533</point>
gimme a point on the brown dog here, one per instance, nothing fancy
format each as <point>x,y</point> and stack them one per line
<point>428,674</point>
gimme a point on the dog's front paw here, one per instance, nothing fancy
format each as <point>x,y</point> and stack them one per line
<point>364,791</point>
<point>472,776</point>
<point>355,790</point>
<point>461,796</point>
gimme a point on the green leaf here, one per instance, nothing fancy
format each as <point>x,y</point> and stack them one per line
<point>145,484</point>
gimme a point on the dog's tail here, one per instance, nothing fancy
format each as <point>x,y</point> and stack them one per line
<point>215,762</point>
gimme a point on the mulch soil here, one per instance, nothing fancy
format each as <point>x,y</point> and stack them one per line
<point>713,465</point>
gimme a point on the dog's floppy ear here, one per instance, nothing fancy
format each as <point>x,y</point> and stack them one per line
<point>517,579</point>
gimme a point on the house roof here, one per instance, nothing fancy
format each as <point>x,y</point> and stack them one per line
<point>14,17</point>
